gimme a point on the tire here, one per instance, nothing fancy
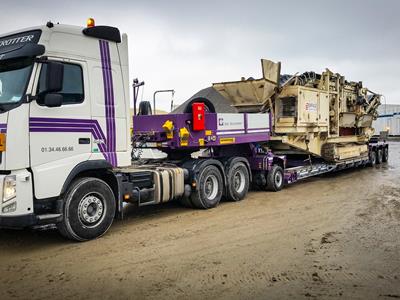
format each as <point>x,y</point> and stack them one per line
<point>379,156</point>
<point>385,156</point>
<point>88,210</point>
<point>372,158</point>
<point>209,190</point>
<point>238,182</point>
<point>259,182</point>
<point>275,179</point>
<point>145,108</point>
<point>185,201</point>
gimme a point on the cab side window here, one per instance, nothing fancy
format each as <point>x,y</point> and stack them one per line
<point>72,90</point>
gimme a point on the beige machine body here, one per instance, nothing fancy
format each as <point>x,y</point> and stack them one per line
<point>320,114</point>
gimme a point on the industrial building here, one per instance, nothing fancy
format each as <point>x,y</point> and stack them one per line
<point>388,119</point>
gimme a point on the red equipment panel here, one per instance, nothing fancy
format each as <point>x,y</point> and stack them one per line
<point>198,116</point>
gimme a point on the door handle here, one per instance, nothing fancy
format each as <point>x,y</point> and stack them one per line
<point>84,141</point>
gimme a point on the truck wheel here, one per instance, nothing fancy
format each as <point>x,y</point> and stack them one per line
<point>385,157</point>
<point>238,182</point>
<point>185,201</point>
<point>209,190</point>
<point>88,211</point>
<point>372,158</point>
<point>275,179</point>
<point>379,156</point>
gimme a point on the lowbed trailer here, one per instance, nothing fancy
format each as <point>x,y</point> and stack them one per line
<point>232,139</point>
<point>67,156</point>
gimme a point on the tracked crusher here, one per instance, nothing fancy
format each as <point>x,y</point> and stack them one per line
<point>323,115</point>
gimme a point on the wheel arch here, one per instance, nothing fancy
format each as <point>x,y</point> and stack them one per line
<point>196,166</point>
<point>100,169</point>
<point>279,161</point>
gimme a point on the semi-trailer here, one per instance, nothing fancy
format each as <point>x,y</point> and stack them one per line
<point>68,157</point>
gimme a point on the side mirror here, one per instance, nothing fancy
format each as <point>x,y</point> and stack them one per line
<point>53,100</point>
<point>54,77</point>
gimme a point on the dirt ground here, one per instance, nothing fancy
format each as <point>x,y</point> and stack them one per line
<point>331,237</point>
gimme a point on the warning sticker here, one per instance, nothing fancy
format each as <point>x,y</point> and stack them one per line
<point>311,107</point>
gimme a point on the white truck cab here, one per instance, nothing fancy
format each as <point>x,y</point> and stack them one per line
<point>63,98</point>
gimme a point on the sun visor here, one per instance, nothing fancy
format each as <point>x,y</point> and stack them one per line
<point>23,44</point>
<point>27,50</point>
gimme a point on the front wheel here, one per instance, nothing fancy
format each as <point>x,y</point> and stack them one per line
<point>275,178</point>
<point>88,211</point>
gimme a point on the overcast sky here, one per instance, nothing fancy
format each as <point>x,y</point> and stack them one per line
<point>187,45</point>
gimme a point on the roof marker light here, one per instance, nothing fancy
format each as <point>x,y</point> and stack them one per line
<point>90,22</point>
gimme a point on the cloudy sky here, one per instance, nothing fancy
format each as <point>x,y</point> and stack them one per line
<point>187,45</point>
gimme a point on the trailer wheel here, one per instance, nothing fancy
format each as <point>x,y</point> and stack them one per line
<point>238,182</point>
<point>385,157</point>
<point>372,158</point>
<point>379,156</point>
<point>88,211</point>
<point>209,190</point>
<point>275,179</point>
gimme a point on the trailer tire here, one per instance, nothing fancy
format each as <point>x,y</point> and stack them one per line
<point>379,156</point>
<point>209,189</point>
<point>275,179</point>
<point>385,156</point>
<point>238,182</point>
<point>88,210</point>
<point>372,158</point>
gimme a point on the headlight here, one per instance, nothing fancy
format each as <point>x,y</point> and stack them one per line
<point>9,188</point>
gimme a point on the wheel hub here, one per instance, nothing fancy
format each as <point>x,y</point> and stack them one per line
<point>238,181</point>
<point>278,179</point>
<point>211,187</point>
<point>90,209</point>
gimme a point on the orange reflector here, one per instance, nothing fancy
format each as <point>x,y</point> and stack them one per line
<point>126,197</point>
<point>90,22</point>
<point>2,142</point>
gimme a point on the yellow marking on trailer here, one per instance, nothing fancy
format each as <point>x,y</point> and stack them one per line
<point>184,136</point>
<point>208,132</point>
<point>201,142</point>
<point>224,141</point>
<point>168,126</point>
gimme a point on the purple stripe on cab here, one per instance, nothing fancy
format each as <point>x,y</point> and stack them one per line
<point>52,122</point>
<point>3,128</point>
<point>108,100</point>
<point>70,125</point>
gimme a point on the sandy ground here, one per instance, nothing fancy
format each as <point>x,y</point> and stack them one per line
<point>325,238</point>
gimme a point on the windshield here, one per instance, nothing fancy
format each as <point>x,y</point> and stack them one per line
<point>14,76</point>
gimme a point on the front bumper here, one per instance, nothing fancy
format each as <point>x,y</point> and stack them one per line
<point>21,205</point>
<point>18,221</point>
<point>22,215</point>
<point>29,220</point>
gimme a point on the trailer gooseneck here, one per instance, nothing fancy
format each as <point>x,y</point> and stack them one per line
<point>68,157</point>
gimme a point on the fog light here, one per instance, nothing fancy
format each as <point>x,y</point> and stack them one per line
<point>10,208</point>
<point>9,188</point>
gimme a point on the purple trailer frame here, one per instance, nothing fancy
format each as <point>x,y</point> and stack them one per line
<point>151,127</point>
